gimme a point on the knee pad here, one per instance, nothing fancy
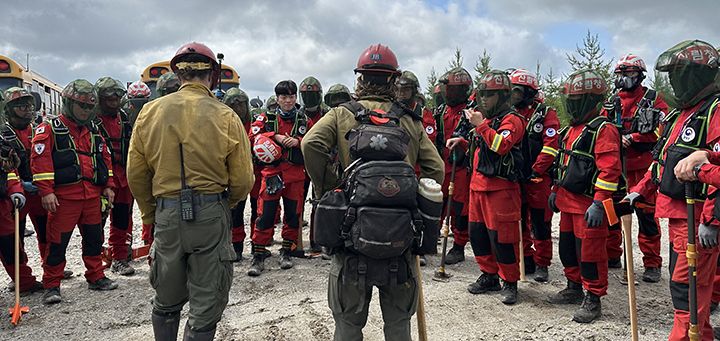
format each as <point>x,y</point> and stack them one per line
<point>479,239</point>
<point>540,228</point>
<point>292,218</point>
<point>567,251</point>
<point>7,249</point>
<point>647,224</point>
<point>92,240</point>
<point>121,216</point>
<point>56,254</point>
<point>504,252</point>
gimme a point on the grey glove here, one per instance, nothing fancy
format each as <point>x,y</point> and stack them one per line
<point>274,184</point>
<point>594,215</point>
<point>551,203</point>
<point>708,235</point>
<point>632,198</point>
<point>29,188</point>
<point>20,200</point>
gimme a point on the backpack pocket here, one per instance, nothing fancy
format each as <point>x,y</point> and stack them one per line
<point>329,217</point>
<point>382,232</point>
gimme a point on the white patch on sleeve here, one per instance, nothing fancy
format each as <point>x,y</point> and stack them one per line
<point>255,130</point>
<point>40,130</point>
<point>505,133</point>
<point>39,148</point>
<point>550,132</point>
<point>429,130</point>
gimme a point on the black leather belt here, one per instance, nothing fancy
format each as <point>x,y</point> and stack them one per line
<point>200,199</point>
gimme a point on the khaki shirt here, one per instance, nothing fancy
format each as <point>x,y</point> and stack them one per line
<point>330,131</point>
<point>216,149</point>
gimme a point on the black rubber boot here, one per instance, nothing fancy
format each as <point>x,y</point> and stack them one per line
<point>456,254</point>
<point>572,294</point>
<point>589,310</point>
<point>541,274</point>
<point>529,265</point>
<point>166,325</point>
<point>486,282</point>
<point>195,335</point>
<point>509,292</point>
<point>238,246</point>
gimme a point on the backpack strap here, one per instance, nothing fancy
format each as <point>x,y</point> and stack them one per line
<point>354,107</point>
<point>362,272</point>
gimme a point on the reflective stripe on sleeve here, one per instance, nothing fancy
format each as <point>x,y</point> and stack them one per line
<point>12,176</point>
<point>608,186</point>
<point>43,176</point>
<point>110,172</point>
<point>549,150</point>
<point>496,143</point>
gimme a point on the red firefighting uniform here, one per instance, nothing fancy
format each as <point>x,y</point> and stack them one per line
<point>583,250</point>
<point>537,217</point>
<point>428,122</point>
<point>495,205</point>
<point>33,205</point>
<point>7,236</point>
<point>293,177</point>
<point>120,215</point>
<point>676,212</point>
<point>238,213</point>
<point>79,203</point>
<point>636,164</point>
<point>461,194</point>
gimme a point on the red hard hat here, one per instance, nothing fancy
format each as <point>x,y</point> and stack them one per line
<point>523,77</point>
<point>541,96</point>
<point>495,80</point>
<point>378,58</point>
<point>630,62</point>
<point>584,82</point>
<point>197,48</point>
<point>266,150</point>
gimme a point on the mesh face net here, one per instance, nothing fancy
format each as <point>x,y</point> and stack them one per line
<point>692,67</point>
<point>311,99</point>
<point>582,94</point>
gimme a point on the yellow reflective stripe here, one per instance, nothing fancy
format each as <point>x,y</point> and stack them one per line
<point>608,186</point>
<point>549,150</point>
<point>43,176</point>
<point>12,176</point>
<point>496,142</point>
<point>110,173</point>
<point>657,132</point>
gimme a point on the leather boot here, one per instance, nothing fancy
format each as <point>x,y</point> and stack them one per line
<point>486,282</point>
<point>258,265</point>
<point>456,254</point>
<point>589,310</point>
<point>572,294</point>
<point>194,335</point>
<point>529,265</point>
<point>509,292</point>
<point>238,247</point>
<point>166,325</point>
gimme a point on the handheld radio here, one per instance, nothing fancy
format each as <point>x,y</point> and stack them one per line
<point>187,197</point>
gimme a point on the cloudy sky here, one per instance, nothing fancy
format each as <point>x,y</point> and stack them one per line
<point>268,41</point>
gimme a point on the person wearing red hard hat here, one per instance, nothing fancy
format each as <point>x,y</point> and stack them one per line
<point>637,111</point>
<point>589,171</point>
<point>692,67</point>
<point>542,125</point>
<point>276,137</point>
<point>349,291</point>
<point>189,164</point>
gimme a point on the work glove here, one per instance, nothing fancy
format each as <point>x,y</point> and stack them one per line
<point>594,215</point>
<point>551,203</point>
<point>632,198</point>
<point>29,188</point>
<point>708,235</point>
<point>20,200</point>
<point>273,185</point>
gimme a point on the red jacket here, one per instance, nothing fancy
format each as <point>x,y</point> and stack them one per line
<point>428,122</point>
<point>551,140</point>
<point>113,127</point>
<point>451,118</point>
<point>666,207</point>
<point>509,133</point>
<point>636,160</point>
<point>289,172</point>
<point>41,163</point>
<point>13,184</point>
<point>608,163</point>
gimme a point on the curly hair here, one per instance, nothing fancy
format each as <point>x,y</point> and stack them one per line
<point>364,89</point>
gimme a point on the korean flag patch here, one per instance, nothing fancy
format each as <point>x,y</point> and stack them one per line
<point>260,118</point>
<point>40,130</point>
<point>688,134</point>
<point>39,147</point>
<point>255,130</point>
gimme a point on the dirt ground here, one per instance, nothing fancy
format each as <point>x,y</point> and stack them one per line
<point>292,305</point>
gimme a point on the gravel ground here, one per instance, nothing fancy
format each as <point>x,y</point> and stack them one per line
<point>292,304</point>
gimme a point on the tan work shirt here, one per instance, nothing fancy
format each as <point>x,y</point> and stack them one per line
<point>216,149</point>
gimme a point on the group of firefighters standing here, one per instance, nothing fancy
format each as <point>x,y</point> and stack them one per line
<point>189,162</point>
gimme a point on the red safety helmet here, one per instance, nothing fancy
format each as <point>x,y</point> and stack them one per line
<point>630,62</point>
<point>197,48</point>
<point>584,82</point>
<point>378,58</point>
<point>495,80</point>
<point>523,77</point>
<point>138,89</point>
<point>266,150</point>
<point>541,96</point>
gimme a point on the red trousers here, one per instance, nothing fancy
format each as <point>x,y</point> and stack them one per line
<point>61,223</point>
<point>648,234</point>
<point>583,253</point>
<point>38,217</point>
<point>238,231</point>
<point>537,218</point>
<point>679,288</point>
<point>7,247</point>
<point>495,231</point>
<point>292,195</point>
<point>121,223</point>
<point>459,210</point>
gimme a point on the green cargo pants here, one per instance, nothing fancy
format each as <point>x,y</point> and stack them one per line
<point>192,261</point>
<point>397,302</point>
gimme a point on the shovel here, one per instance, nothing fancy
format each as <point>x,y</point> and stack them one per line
<point>441,275</point>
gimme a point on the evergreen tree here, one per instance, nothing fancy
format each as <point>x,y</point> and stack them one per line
<point>432,82</point>
<point>661,84</point>
<point>456,61</point>
<point>591,57</point>
<point>482,66</point>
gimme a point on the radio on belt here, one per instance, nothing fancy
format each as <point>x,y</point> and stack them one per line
<point>187,196</point>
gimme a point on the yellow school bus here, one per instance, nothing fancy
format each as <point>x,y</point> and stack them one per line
<point>228,77</point>
<point>14,74</point>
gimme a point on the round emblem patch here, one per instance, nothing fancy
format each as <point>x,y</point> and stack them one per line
<point>716,147</point>
<point>388,187</point>
<point>255,130</point>
<point>302,130</point>
<point>688,134</point>
<point>538,127</point>
<point>550,132</point>
<point>505,133</point>
<point>429,130</point>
